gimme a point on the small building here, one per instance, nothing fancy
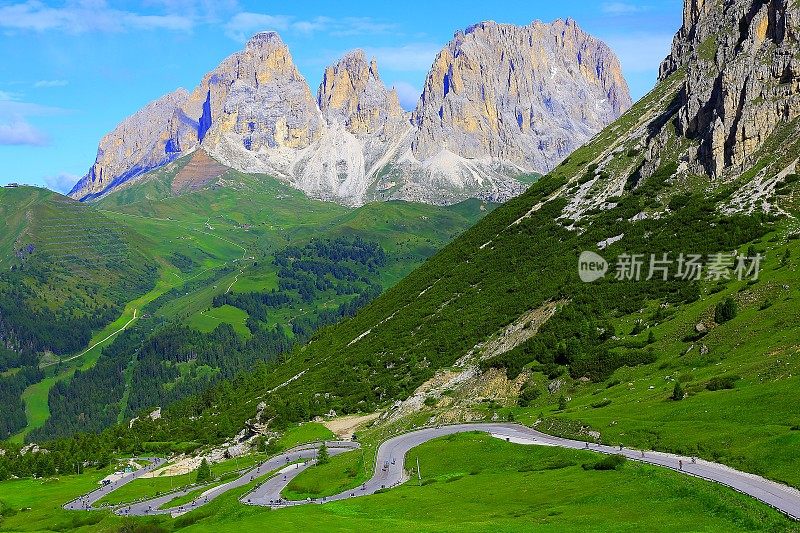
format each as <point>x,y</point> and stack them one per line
<point>12,186</point>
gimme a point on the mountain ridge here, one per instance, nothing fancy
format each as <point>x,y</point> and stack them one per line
<point>612,349</point>
<point>255,113</point>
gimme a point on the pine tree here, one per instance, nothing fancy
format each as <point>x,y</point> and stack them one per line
<point>562,403</point>
<point>322,455</point>
<point>677,392</point>
<point>203,472</point>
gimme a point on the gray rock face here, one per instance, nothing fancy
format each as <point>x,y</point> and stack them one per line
<point>525,96</point>
<point>255,99</point>
<point>742,78</point>
<point>352,94</point>
<point>259,99</point>
<point>151,137</point>
<point>500,101</point>
<point>723,120</point>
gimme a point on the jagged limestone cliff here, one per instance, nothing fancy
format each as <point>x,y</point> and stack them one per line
<point>500,101</point>
<point>149,138</point>
<point>742,78</point>
<point>352,93</point>
<point>527,96</point>
<point>723,118</point>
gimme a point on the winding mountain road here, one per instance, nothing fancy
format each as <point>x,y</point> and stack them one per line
<point>86,502</point>
<point>390,471</point>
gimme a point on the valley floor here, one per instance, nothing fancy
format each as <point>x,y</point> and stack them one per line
<point>469,483</point>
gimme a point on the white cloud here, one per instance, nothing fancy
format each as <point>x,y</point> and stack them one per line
<point>62,183</point>
<point>309,26</point>
<point>11,108</point>
<point>407,94</point>
<point>50,83</point>
<point>19,132</point>
<point>197,10</point>
<point>243,25</point>
<point>622,8</point>
<point>410,57</point>
<point>640,53</point>
<point>14,126</point>
<point>83,16</point>
<point>360,26</point>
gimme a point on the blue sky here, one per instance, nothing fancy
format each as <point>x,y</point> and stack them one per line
<point>70,71</point>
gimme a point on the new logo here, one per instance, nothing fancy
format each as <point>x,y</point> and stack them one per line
<point>591,267</point>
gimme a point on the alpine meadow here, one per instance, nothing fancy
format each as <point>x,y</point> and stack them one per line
<point>517,297</point>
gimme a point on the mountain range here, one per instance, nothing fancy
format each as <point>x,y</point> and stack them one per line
<point>274,320</point>
<point>500,103</point>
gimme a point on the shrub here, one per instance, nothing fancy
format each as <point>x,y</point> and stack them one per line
<point>602,403</point>
<point>136,527</point>
<point>6,510</point>
<point>722,383</point>
<point>726,310</point>
<point>528,395</point>
<point>677,392</point>
<point>191,519</point>
<point>611,462</point>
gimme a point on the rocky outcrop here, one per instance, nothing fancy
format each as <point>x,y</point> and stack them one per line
<point>352,94</point>
<point>500,101</point>
<point>525,96</point>
<point>742,78</point>
<point>364,122</point>
<point>724,119</point>
<point>151,137</point>
<point>257,98</point>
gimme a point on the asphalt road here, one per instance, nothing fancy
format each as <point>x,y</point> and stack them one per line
<point>389,466</point>
<point>87,501</point>
<point>301,453</point>
<point>390,461</point>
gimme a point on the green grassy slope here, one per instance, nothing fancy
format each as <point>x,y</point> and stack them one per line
<point>222,239</point>
<point>524,254</point>
<point>470,483</point>
<point>67,271</point>
<point>257,216</point>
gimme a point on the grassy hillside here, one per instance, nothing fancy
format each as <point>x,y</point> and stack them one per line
<point>220,241</point>
<point>67,272</point>
<point>470,483</point>
<point>593,370</point>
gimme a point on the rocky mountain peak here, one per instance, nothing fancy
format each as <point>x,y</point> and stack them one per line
<point>265,38</point>
<point>149,138</point>
<point>742,78</point>
<point>352,94</point>
<point>549,89</point>
<point>259,96</point>
<point>500,101</point>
